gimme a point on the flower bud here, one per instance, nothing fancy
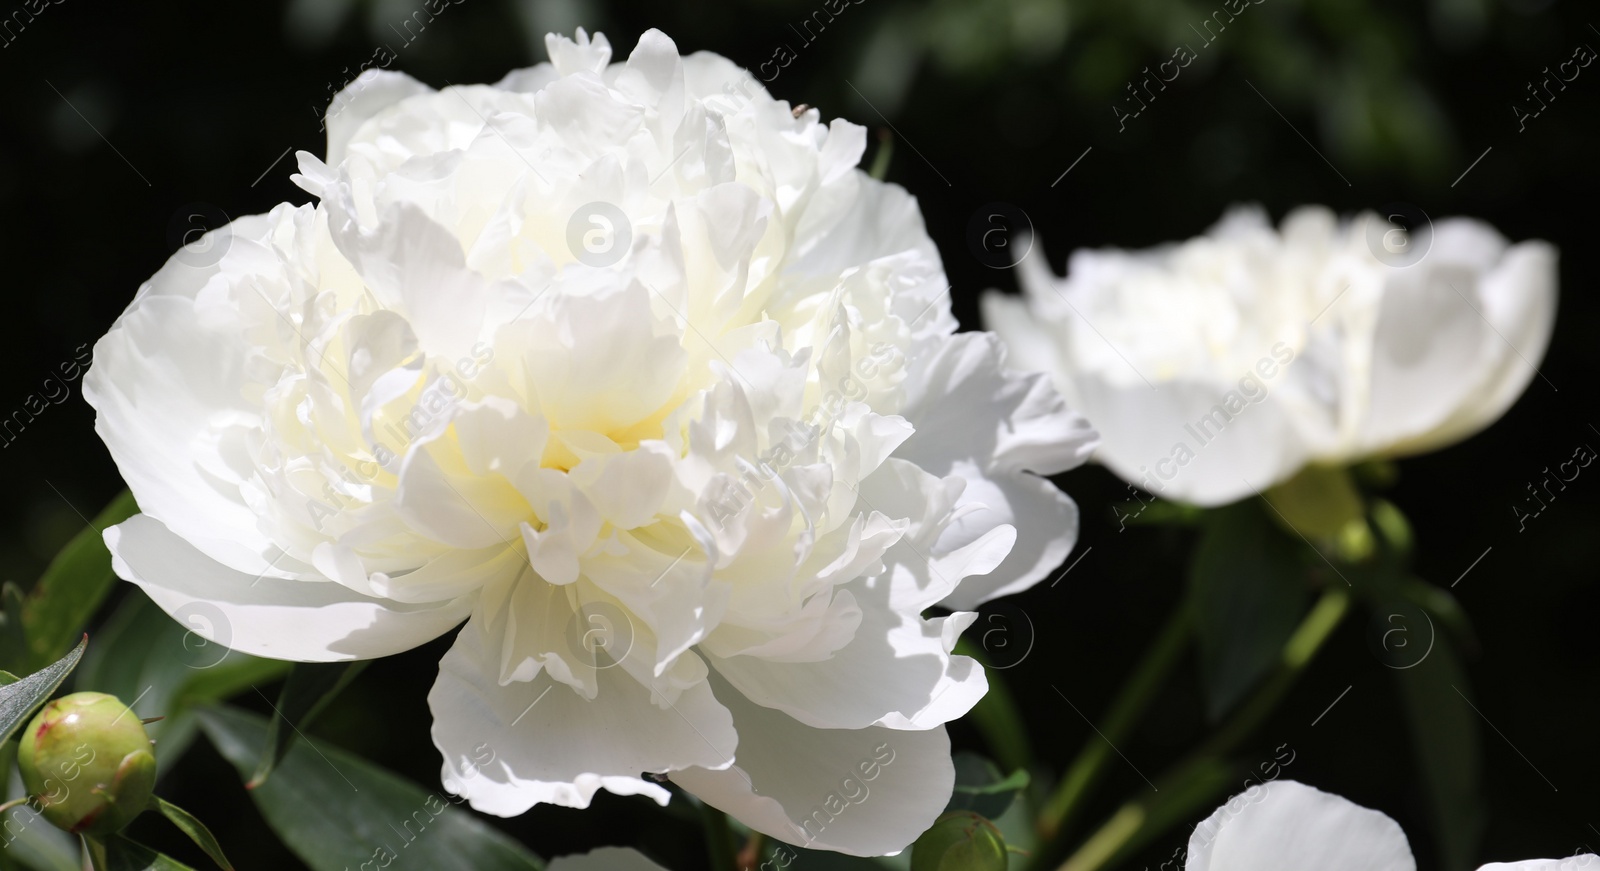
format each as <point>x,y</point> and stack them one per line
<point>960,841</point>
<point>86,761</point>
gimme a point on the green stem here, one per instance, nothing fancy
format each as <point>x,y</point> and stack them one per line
<point>719,838</point>
<point>1138,819</point>
<point>1148,678</point>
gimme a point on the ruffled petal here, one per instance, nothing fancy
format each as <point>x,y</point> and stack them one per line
<point>167,386</point>
<point>865,792</point>
<point>1580,862</point>
<point>370,93</point>
<point>552,745</point>
<point>1286,824</point>
<point>305,621</point>
<point>991,426</point>
<point>1518,298</point>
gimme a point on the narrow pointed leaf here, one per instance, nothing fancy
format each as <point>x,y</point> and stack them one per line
<point>120,854</point>
<point>1447,739</point>
<point>18,700</point>
<point>981,788</point>
<point>336,810</point>
<point>13,634</point>
<point>29,841</point>
<point>196,831</point>
<point>1248,587</point>
<point>309,689</point>
<point>60,605</point>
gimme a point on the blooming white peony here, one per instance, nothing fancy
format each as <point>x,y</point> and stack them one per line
<point>630,367</point>
<point>1226,363</point>
<point>1285,824</point>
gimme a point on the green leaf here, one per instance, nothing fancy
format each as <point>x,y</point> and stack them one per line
<point>336,810</point>
<point>196,831</point>
<point>309,689</point>
<point>18,700</point>
<point>980,788</point>
<point>1444,730</point>
<point>142,654</point>
<point>36,844</point>
<point>1246,583</point>
<point>117,853</point>
<point>60,605</point>
<point>13,633</point>
<point>1439,602</point>
<point>26,840</point>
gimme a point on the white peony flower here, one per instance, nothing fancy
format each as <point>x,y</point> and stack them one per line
<point>629,366</point>
<point>1285,824</point>
<point>1226,363</point>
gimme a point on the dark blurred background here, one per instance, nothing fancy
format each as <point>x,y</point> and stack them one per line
<point>118,118</point>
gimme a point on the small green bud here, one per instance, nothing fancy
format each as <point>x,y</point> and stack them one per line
<point>960,841</point>
<point>86,761</point>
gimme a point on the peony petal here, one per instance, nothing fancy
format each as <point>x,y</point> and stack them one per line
<point>1431,350</point>
<point>965,402</point>
<point>897,671</point>
<point>988,425</point>
<point>167,389</point>
<point>1286,824</point>
<point>369,94</point>
<point>865,792</point>
<point>1046,523</point>
<point>1029,345</point>
<point>1189,442</point>
<point>305,621</point>
<point>1580,862</point>
<point>551,745</point>
<point>1518,298</point>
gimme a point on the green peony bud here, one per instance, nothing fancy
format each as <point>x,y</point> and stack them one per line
<point>86,760</point>
<point>960,841</point>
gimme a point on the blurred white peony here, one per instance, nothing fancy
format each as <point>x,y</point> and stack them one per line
<point>629,364</point>
<point>1227,363</point>
<point>1285,824</point>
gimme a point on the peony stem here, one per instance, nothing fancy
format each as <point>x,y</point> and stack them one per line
<point>1146,818</point>
<point>719,839</point>
<point>1128,706</point>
